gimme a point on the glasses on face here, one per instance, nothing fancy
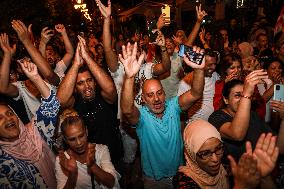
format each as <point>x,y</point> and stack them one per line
<point>206,154</point>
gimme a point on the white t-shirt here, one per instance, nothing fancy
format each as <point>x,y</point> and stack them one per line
<point>203,108</point>
<point>31,102</point>
<point>170,84</point>
<point>84,179</point>
<point>145,72</point>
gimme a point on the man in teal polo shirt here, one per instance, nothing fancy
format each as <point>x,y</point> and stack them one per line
<point>158,120</point>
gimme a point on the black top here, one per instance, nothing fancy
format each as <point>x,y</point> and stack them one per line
<point>255,129</point>
<point>264,57</point>
<point>100,118</point>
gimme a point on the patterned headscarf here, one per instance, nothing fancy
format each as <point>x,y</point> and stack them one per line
<point>30,147</point>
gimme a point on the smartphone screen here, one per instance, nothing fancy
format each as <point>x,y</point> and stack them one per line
<point>191,55</point>
<point>183,48</point>
<point>278,92</point>
<point>167,11</point>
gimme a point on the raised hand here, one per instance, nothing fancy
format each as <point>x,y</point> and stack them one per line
<point>195,65</point>
<point>177,40</point>
<point>278,107</point>
<point>202,35</point>
<point>22,30</point>
<point>68,165</point>
<point>160,40</point>
<point>161,21</point>
<point>129,60</point>
<point>78,61</point>
<point>245,172</point>
<point>29,68</point>
<point>5,45</point>
<point>252,79</point>
<point>105,11</point>
<point>200,13</point>
<point>266,153</point>
<point>60,28</point>
<point>46,34</point>
<point>83,48</point>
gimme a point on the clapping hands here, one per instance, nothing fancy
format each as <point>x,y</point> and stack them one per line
<point>257,164</point>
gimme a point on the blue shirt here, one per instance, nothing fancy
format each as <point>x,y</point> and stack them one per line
<point>161,141</point>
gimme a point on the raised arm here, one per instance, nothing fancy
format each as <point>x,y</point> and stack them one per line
<point>67,58</point>
<point>45,35</point>
<point>66,87</point>
<point>237,129</point>
<point>131,67</point>
<point>105,81</point>
<point>196,91</point>
<point>165,65</point>
<point>111,57</point>
<point>40,61</point>
<point>6,87</point>
<point>202,39</point>
<point>31,72</point>
<point>192,36</point>
<point>46,115</point>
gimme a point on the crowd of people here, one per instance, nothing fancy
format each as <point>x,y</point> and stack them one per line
<point>132,112</point>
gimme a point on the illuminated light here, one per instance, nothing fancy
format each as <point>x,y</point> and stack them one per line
<point>82,6</point>
<point>240,3</point>
<point>84,10</point>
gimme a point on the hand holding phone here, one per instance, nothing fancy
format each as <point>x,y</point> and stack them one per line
<point>278,92</point>
<point>166,11</point>
<point>193,56</point>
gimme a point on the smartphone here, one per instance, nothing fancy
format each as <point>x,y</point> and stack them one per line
<point>153,36</point>
<point>191,55</point>
<point>167,11</point>
<point>278,92</point>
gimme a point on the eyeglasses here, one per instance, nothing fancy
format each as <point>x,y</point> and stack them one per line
<point>206,154</point>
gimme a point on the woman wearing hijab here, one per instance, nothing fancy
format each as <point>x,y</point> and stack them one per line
<point>26,160</point>
<point>204,151</point>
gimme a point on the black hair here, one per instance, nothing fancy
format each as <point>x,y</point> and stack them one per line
<point>83,68</point>
<point>72,120</point>
<point>212,53</point>
<point>268,63</point>
<point>97,46</point>
<point>229,85</point>
<point>227,61</point>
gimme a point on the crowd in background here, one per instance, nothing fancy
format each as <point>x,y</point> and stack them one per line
<point>127,110</point>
